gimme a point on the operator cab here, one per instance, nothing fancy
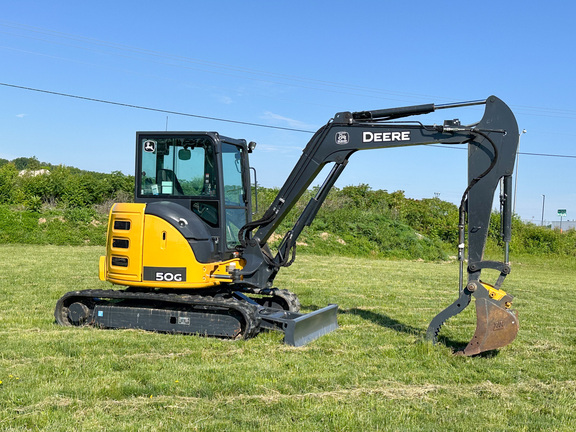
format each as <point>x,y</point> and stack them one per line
<point>204,172</point>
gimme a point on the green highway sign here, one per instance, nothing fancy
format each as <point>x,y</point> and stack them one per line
<point>561,212</point>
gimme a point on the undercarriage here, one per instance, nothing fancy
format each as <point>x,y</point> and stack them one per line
<point>229,314</point>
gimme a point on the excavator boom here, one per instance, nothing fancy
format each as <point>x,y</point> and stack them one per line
<point>492,145</point>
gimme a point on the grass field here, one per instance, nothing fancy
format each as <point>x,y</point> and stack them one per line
<point>374,373</point>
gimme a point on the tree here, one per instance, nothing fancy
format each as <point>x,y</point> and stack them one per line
<point>24,163</point>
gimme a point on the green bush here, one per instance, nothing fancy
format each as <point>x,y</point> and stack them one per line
<point>59,206</point>
<point>8,176</point>
<point>70,206</point>
<point>359,221</point>
<point>357,232</point>
<point>55,227</point>
<point>60,185</point>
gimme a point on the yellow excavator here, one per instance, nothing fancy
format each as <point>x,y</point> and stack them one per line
<point>191,260</point>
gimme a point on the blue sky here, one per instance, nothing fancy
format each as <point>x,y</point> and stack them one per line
<point>294,65</point>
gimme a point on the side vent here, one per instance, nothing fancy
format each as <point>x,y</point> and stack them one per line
<point>120,243</point>
<point>122,225</point>
<point>120,261</point>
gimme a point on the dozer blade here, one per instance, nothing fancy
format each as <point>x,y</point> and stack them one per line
<point>300,329</point>
<point>496,327</point>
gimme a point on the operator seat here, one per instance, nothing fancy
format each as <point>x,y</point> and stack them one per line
<point>168,175</point>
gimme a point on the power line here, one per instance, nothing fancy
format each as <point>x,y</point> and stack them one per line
<point>453,147</point>
<point>548,155</point>
<point>85,43</point>
<point>293,79</point>
<point>154,109</point>
<point>228,120</point>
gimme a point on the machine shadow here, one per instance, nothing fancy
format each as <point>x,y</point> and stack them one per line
<point>393,324</point>
<point>384,321</point>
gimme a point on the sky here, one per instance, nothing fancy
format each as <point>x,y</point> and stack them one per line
<point>291,66</point>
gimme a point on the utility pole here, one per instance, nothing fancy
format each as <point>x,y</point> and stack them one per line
<point>543,200</point>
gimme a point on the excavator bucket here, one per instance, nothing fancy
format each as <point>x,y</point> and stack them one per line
<point>496,327</point>
<point>496,324</point>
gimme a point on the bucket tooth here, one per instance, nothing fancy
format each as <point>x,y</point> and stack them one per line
<point>496,327</point>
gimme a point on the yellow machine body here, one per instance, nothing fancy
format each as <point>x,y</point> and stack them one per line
<point>146,251</point>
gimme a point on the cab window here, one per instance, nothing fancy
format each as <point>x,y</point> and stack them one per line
<point>177,166</point>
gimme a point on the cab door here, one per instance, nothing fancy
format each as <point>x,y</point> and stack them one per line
<point>236,192</point>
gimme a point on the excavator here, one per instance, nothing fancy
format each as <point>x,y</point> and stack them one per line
<point>191,260</point>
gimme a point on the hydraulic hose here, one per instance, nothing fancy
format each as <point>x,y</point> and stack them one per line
<point>462,208</point>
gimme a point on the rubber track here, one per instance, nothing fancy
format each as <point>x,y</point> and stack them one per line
<point>217,304</point>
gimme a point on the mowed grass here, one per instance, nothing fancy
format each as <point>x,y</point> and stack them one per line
<point>375,372</point>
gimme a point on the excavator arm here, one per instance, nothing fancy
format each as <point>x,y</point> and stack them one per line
<point>492,145</point>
